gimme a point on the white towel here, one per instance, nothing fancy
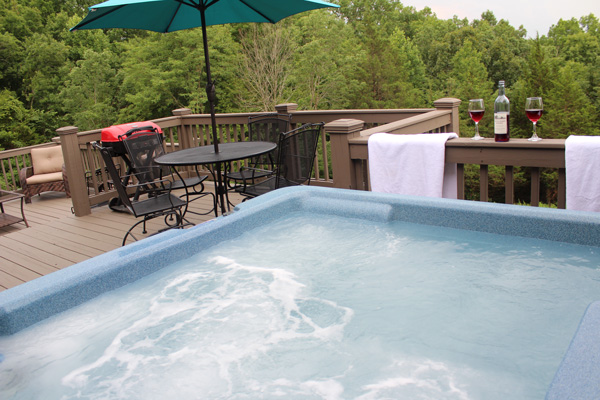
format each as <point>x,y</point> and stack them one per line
<point>582,164</point>
<point>412,164</point>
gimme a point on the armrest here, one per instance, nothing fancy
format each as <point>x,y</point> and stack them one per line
<point>25,173</point>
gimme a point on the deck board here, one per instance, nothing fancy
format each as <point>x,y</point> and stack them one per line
<point>12,274</point>
<point>57,239</point>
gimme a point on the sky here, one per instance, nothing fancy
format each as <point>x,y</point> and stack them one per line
<point>534,15</point>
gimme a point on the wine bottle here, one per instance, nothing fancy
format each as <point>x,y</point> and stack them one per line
<point>501,115</point>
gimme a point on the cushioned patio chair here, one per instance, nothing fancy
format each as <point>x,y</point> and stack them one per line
<point>265,128</point>
<point>143,145</point>
<point>46,174</point>
<point>297,150</point>
<point>159,202</point>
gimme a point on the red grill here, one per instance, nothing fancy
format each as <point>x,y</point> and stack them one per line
<point>110,136</point>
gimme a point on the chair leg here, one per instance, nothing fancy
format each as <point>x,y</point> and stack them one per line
<point>180,223</point>
<point>129,232</point>
<point>27,195</point>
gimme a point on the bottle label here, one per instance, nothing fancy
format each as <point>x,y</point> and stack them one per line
<point>501,123</point>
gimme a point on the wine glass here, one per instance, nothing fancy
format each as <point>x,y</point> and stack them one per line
<point>534,109</point>
<point>476,111</point>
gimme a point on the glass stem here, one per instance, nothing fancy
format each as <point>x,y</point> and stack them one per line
<point>534,125</point>
<point>476,128</point>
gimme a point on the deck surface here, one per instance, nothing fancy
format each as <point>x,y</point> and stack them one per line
<point>56,238</point>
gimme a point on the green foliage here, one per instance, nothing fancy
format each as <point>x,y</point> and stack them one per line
<point>366,54</point>
<point>91,91</point>
<point>15,131</point>
<point>323,62</point>
<point>569,110</point>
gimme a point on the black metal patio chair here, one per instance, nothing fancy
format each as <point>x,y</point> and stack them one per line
<point>266,128</point>
<point>297,150</point>
<point>159,203</point>
<point>143,145</point>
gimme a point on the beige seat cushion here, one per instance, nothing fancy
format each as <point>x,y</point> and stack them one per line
<point>46,160</point>
<point>45,178</point>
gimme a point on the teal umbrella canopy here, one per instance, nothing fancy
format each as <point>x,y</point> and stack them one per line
<point>175,15</point>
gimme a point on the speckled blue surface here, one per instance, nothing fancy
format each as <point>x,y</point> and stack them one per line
<point>578,376</point>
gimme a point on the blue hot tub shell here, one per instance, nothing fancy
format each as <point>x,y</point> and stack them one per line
<point>577,377</point>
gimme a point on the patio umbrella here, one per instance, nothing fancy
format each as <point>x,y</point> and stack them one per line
<point>174,15</point>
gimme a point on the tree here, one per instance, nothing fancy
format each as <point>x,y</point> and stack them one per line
<point>536,80</point>
<point>323,61</point>
<point>14,129</point>
<point>366,54</point>
<point>11,56</point>
<point>416,90</point>
<point>567,110</point>
<point>469,80</point>
<point>265,66</point>
<point>91,93</point>
<point>43,68</point>
<point>163,72</point>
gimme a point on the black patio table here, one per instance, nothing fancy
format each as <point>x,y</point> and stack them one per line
<point>205,155</point>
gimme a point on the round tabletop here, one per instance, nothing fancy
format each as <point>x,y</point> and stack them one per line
<point>206,154</point>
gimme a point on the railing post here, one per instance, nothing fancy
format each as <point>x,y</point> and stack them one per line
<point>183,131</point>
<point>340,132</point>
<point>75,170</point>
<point>450,103</point>
<point>286,108</point>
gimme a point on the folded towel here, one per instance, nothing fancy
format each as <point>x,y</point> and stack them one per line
<point>582,164</point>
<point>411,164</point>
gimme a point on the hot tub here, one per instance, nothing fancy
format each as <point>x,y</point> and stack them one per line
<point>282,312</point>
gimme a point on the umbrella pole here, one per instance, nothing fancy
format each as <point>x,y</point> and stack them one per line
<point>210,86</point>
<point>211,94</point>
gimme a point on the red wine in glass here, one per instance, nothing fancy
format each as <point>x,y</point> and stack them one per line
<point>534,109</point>
<point>476,115</point>
<point>534,115</point>
<point>476,111</point>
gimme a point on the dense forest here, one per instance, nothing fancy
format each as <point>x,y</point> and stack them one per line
<point>366,54</point>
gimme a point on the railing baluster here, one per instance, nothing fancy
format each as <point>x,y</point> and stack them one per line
<point>460,181</point>
<point>326,172</point>
<point>4,174</point>
<point>12,172</point>
<point>483,183</point>
<point>562,188</point>
<point>535,187</point>
<point>509,184</point>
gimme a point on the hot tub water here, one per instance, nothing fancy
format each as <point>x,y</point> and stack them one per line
<point>321,307</point>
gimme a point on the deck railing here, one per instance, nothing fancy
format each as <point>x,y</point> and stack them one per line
<point>351,151</point>
<point>184,130</point>
<point>342,158</point>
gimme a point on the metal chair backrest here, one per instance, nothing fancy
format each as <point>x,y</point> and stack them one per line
<point>142,148</point>
<point>297,152</point>
<point>267,128</point>
<point>114,175</point>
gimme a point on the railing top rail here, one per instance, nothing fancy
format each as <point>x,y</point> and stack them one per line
<point>418,122</point>
<point>370,111</point>
<point>547,153</point>
<point>24,150</point>
<point>513,143</point>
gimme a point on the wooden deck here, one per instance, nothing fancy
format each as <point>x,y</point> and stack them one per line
<point>57,239</point>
